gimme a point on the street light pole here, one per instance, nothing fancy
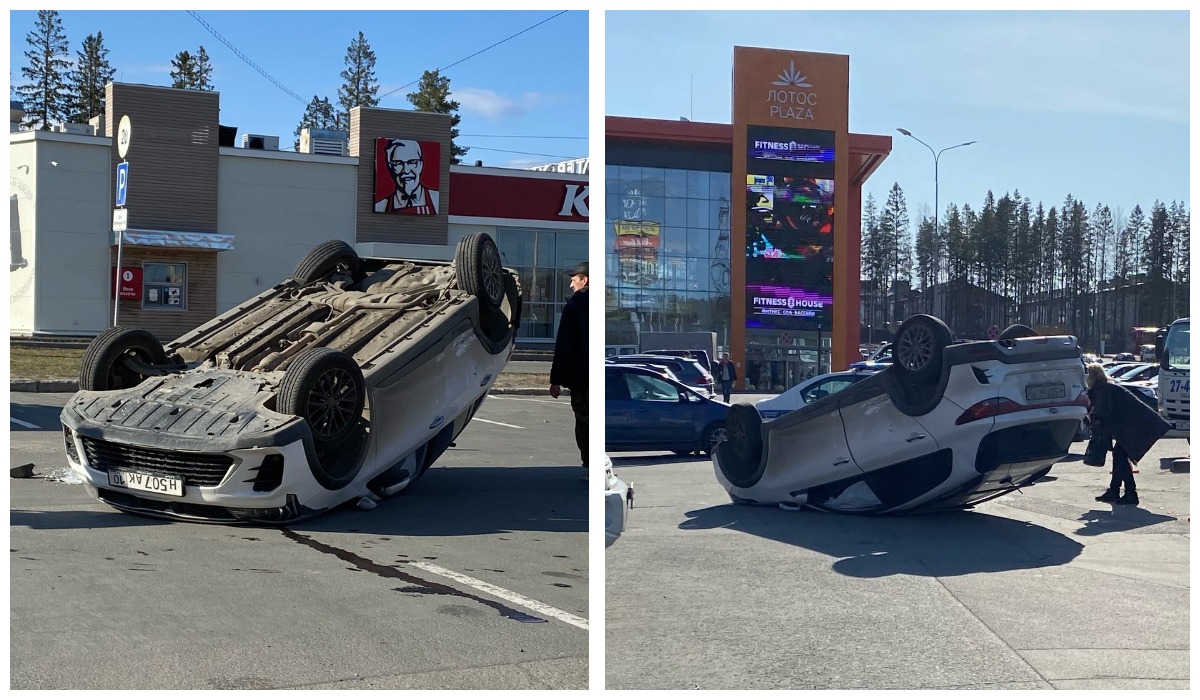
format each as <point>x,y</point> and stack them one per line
<point>936,156</point>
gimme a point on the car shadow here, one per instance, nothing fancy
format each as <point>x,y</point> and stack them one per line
<point>934,544</point>
<point>461,501</point>
<point>447,501</point>
<point>655,460</point>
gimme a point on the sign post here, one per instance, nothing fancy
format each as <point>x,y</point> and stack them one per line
<point>121,214</point>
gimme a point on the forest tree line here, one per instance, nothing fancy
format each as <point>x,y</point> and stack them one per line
<point>62,90</point>
<point>1097,269</point>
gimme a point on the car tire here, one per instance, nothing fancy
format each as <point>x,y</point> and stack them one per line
<point>326,388</point>
<point>917,349</point>
<point>326,258</point>
<point>102,368</point>
<point>479,269</point>
<point>1017,330</point>
<point>740,455</point>
<point>713,436</point>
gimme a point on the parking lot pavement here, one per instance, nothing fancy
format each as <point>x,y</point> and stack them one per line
<point>476,577</point>
<point>1043,588</point>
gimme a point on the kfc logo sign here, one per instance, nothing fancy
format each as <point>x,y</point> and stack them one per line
<point>575,201</point>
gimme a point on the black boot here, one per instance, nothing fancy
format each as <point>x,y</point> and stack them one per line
<point>1109,496</point>
<point>1129,499</point>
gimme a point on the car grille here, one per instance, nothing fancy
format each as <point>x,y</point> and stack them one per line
<point>196,469</point>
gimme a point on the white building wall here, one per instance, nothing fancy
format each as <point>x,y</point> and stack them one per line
<point>71,235</point>
<point>277,205</point>
<point>22,222</point>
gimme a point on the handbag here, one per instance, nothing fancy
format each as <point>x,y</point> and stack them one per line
<point>1096,453</point>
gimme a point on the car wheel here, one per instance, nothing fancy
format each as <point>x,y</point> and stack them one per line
<point>1017,330</point>
<point>102,368</point>
<point>479,268</point>
<point>741,452</point>
<point>714,435</point>
<point>326,259</point>
<point>326,388</point>
<point>917,349</point>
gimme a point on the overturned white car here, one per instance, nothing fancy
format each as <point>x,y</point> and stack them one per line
<point>947,426</point>
<point>345,381</point>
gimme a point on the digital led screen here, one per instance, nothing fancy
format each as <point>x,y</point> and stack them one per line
<point>789,227</point>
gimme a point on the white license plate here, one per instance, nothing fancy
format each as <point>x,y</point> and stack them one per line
<point>1039,392</point>
<point>169,485</point>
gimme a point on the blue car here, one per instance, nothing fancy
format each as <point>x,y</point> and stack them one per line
<point>645,411</point>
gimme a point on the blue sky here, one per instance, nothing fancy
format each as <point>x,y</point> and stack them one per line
<point>513,90</point>
<point>1092,104</point>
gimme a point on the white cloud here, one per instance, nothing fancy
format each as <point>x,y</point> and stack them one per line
<point>493,106</point>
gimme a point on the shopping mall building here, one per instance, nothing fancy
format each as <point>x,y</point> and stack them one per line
<point>212,220</point>
<point>749,229</point>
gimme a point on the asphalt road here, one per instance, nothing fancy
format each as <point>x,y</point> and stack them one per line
<point>1043,588</point>
<point>476,577</point>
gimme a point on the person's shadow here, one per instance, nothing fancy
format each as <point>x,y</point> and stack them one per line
<point>1119,519</point>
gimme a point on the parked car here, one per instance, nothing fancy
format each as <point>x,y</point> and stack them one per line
<point>808,391</point>
<point>1136,373</point>
<point>700,356</point>
<point>347,380</point>
<point>1124,357</point>
<point>879,360</point>
<point>644,411</point>
<point>611,350</point>
<point>947,426</point>
<point>1117,368</point>
<point>1147,353</point>
<point>687,371</point>
<point>661,369</point>
<point>618,501</point>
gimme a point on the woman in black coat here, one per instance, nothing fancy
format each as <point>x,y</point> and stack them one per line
<point>1118,414</point>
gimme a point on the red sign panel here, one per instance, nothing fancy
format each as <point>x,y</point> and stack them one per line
<point>131,282</point>
<point>407,176</point>
<point>500,197</point>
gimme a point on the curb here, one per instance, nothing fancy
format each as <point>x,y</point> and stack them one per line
<point>52,386</point>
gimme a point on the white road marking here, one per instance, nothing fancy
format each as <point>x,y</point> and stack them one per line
<point>540,608</point>
<point>496,422</point>
<point>513,398</point>
<point>23,424</point>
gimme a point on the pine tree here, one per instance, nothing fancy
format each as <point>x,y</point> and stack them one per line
<point>872,262</point>
<point>46,98</point>
<point>433,95</point>
<point>360,87</point>
<point>896,243</point>
<point>202,79</point>
<point>92,72</point>
<point>319,114</point>
<point>183,70</point>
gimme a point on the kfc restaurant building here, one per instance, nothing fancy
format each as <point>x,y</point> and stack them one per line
<point>212,222</point>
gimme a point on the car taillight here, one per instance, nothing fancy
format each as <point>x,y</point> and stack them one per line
<point>999,405</point>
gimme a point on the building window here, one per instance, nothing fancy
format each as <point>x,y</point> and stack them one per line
<point>543,261</point>
<point>164,286</point>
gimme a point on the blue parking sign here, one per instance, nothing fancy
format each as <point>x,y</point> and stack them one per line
<point>122,183</point>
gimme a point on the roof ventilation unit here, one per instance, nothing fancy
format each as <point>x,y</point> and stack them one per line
<point>260,142</point>
<point>325,142</point>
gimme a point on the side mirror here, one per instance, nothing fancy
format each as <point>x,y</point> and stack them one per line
<point>1160,342</point>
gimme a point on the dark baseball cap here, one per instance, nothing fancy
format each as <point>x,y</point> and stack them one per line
<point>580,269</point>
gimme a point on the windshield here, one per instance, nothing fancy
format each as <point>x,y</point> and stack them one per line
<point>1178,346</point>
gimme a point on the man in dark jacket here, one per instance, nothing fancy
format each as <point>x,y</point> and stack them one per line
<point>570,356</point>
<point>726,374</point>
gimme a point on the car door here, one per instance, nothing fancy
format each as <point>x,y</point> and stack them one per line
<point>658,419</point>
<point>879,434</point>
<point>618,411</point>
<point>806,449</point>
